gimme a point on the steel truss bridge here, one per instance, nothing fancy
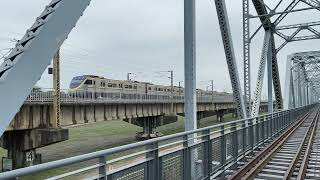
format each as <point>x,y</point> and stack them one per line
<point>302,78</point>
<point>197,153</point>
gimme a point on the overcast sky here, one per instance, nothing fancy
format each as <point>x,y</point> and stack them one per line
<point>119,36</point>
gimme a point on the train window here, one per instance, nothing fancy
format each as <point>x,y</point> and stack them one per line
<point>89,82</point>
<point>135,87</point>
<point>109,84</point>
<point>120,85</point>
<point>114,85</point>
<point>94,82</point>
<point>101,84</point>
<point>149,88</point>
<point>126,86</point>
<point>130,86</point>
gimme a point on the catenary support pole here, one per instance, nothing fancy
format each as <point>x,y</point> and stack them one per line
<point>190,104</point>
<point>190,65</point>
<point>212,96</point>
<point>172,100</point>
<point>56,87</point>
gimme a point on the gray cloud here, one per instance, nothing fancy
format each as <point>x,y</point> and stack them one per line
<point>116,37</point>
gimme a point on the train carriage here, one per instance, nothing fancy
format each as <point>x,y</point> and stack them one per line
<point>92,86</point>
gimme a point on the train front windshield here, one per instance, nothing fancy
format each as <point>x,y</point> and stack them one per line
<point>76,81</point>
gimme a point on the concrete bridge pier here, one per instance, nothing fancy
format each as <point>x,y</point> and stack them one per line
<point>22,144</point>
<point>204,114</point>
<point>149,129</point>
<point>234,113</point>
<point>149,125</point>
<point>220,115</point>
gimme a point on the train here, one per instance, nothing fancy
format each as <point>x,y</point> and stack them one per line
<point>99,83</point>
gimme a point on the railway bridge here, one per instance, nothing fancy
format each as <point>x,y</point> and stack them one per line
<point>33,126</point>
<point>282,144</point>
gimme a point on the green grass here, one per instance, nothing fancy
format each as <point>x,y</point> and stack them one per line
<point>102,135</point>
<point>3,152</point>
<point>179,125</point>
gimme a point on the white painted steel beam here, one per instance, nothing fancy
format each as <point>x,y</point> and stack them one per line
<point>288,88</point>
<point>230,56</point>
<point>261,72</point>
<point>24,66</point>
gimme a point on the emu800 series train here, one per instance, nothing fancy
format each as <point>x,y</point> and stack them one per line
<point>94,83</point>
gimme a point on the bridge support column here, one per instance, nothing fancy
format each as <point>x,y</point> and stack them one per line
<point>149,125</point>
<point>22,144</point>
<point>85,114</point>
<point>220,114</point>
<point>204,114</point>
<point>234,113</point>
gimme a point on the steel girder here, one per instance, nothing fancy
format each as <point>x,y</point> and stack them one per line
<point>269,26</point>
<point>266,23</point>
<point>262,10</point>
<point>288,83</point>
<point>24,66</point>
<point>289,91</point>
<point>246,57</point>
<point>300,25</point>
<point>314,4</point>
<point>270,80</point>
<point>230,56</point>
<point>261,72</point>
<point>276,76</point>
<point>287,10</point>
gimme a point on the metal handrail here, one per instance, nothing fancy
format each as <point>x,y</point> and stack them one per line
<point>46,95</point>
<point>232,126</point>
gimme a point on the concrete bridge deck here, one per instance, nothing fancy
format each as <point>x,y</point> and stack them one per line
<point>84,107</point>
<point>33,125</point>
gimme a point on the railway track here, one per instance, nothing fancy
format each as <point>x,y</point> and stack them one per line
<point>293,155</point>
<point>312,170</point>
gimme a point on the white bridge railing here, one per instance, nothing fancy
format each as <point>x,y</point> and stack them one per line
<point>46,95</point>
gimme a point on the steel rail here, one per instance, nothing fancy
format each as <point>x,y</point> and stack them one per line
<point>250,169</point>
<point>304,163</point>
<point>298,154</point>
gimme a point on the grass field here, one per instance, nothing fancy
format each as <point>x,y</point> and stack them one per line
<point>102,135</point>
